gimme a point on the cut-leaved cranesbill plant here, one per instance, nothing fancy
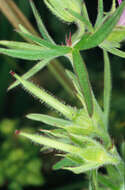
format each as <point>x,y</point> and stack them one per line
<point>81,134</point>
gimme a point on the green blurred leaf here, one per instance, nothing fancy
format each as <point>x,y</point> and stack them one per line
<point>18,162</point>
<point>123,150</point>
<point>14,186</point>
<point>105,180</point>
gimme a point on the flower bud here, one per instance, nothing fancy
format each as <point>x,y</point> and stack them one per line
<point>59,8</point>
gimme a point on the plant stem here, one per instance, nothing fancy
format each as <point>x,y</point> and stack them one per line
<point>15,16</point>
<point>95,180</point>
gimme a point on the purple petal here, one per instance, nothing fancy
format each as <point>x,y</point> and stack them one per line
<point>121,21</point>
<point>119,2</point>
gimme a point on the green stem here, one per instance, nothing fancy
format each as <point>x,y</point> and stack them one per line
<point>95,180</point>
<point>107,87</point>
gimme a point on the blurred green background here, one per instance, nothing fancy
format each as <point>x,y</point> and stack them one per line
<point>22,165</point>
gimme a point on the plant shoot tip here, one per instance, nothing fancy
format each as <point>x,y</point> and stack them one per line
<point>17,132</point>
<point>12,73</point>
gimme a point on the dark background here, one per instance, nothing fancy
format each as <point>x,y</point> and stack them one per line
<point>14,105</point>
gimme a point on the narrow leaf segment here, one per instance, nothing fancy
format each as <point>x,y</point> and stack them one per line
<point>107,87</point>
<point>40,65</point>
<point>40,93</point>
<point>113,50</point>
<point>40,24</point>
<point>81,72</point>
<point>100,13</point>
<point>102,33</point>
<point>52,143</point>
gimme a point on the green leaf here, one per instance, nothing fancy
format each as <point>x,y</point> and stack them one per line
<point>81,72</point>
<point>80,130</point>
<point>97,108</point>
<point>35,54</point>
<point>40,24</point>
<point>113,8</point>
<point>98,116</point>
<point>112,173</point>
<point>43,42</point>
<point>100,13</point>
<point>53,121</point>
<point>102,33</point>
<point>107,87</point>
<point>39,41</point>
<point>59,133</point>
<point>65,162</point>
<point>83,168</point>
<point>40,65</point>
<point>52,143</point>
<point>98,113</point>
<point>117,35</point>
<point>22,54</point>
<point>114,51</point>
<point>103,20</point>
<point>76,158</point>
<point>84,141</point>
<point>85,12</point>
<point>20,45</point>
<point>70,126</point>
<point>40,93</point>
<point>75,83</point>
<point>98,155</point>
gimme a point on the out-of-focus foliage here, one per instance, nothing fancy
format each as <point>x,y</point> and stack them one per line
<point>19,163</point>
